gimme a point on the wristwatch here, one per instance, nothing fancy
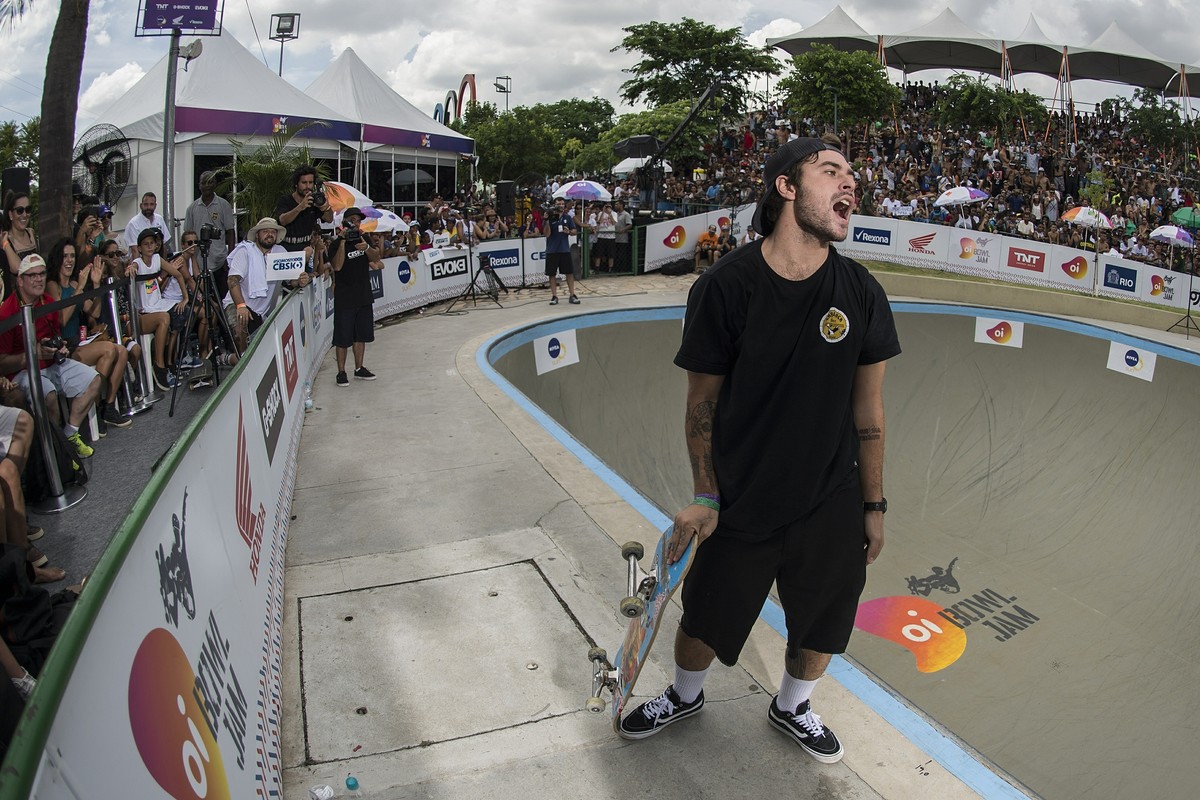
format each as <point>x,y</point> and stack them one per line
<point>881,506</point>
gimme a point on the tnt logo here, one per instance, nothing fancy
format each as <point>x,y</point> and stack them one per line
<point>1076,268</point>
<point>168,724</point>
<point>555,349</point>
<point>676,238</point>
<point>968,248</point>
<point>1019,258</point>
<point>908,621</point>
<point>1001,334</point>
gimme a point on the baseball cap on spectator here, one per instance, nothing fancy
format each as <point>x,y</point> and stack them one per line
<point>31,262</point>
<point>148,233</point>
<point>105,211</point>
<point>784,159</point>
<point>352,211</point>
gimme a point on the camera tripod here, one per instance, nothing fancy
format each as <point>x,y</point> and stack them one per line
<point>494,284</point>
<point>220,336</point>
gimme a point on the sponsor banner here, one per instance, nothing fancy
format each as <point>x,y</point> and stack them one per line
<point>976,253</point>
<point>285,266</point>
<point>1163,287</point>
<point>1070,268</point>
<point>1004,332</point>
<point>375,278</point>
<point>190,16</point>
<point>1118,277</point>
<point>871,237</point>
<point>1027,259</point>
<point>1131,360</point>
<point>672,240</point>
<point>448,263</point>
<point>923,245</point>
<point>738,219</point>
<point>555,351</point>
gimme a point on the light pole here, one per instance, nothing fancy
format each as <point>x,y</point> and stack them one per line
<point>503,85</point>
<point>284,28</point>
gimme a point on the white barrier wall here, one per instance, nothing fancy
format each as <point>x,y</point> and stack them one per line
<point>675,239</point>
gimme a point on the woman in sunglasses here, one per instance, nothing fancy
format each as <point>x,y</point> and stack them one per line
<point>21,239</point>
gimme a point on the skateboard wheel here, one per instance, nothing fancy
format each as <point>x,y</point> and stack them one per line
<point>597,654</point>
<point>596,705</point>
<point>634,549</point>
<point>633,607</point>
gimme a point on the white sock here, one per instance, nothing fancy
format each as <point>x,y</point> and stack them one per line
<point>70,430</point>
<point>793,692</point>
<point>689,684</point>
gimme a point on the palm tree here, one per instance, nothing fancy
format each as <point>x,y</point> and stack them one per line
<point>60,101</point>
<point>258,176</point>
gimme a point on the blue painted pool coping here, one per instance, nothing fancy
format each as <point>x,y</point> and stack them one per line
<point>947,752</point>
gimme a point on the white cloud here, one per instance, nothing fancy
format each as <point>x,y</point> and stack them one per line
<point>105,90</point>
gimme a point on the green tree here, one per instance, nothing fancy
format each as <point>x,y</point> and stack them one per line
<point>825,83</point>
<point>19,146</point>
<point>259,176</point>
<point>681,59</point>
<point>584,120</point>
<point>979,103</point>
<point>60,101</point>
<point>1154,120</point>
<point>511,143</point>
<point>1096,189</point>
<point>660,122</point>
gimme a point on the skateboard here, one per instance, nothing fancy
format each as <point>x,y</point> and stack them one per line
<point>644,607</point>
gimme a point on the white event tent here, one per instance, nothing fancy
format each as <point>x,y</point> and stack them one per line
<point>228,93</point>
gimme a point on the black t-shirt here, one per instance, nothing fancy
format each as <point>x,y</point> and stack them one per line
<point>352,283</point>
<point>299,230</point>
<point>784,435</point>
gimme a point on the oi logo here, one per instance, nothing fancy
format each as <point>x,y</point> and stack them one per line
<point>677,238</point>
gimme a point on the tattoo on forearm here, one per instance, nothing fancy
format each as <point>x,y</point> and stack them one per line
<point>700,420</point>
<point>870,434</point>
<point>234,280</point>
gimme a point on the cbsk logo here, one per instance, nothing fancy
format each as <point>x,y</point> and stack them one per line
<point>175,743</point>
<point>1122,279</point>
<point>877,236</point>
<point>504,258</point>
<point>1076,268</point>
<point>404,274</point>
<point>555,349</point>
<point>449,267</point>
<point>1002,333</point>
<point>676,238</point>
<point>1019,258</point>
<point>920,244</point>
<point>908,621</point>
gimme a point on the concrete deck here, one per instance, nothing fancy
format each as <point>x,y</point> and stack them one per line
<point>449,564</point>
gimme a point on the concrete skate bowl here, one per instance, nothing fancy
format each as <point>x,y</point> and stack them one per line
<point>1037,596</point>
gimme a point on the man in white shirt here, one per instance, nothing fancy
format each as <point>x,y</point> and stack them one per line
<point>148,218</point>
<point>251,296</point>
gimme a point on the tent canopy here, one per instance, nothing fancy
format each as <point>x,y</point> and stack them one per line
<point>352,89</point>
<point>946,42</point>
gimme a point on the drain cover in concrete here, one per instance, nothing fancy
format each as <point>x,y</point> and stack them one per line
<point>398,666</point>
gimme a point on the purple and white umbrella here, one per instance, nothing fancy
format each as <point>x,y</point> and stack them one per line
<point>583,190</point>
<point>1172,235</point>
<point>960,195</point>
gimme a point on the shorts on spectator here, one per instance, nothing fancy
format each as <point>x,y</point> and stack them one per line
<point>558,264</point>
<point>235,324</point>
<point>604,249</point>
<point>8,424</point>
<point>353,325</point>
<point>178,318</point>
<point>71,378</point>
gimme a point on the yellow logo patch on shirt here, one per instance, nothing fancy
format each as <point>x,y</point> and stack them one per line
<point>834,325</point>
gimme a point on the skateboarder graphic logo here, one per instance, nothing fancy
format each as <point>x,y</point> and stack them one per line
<point>834,325</point>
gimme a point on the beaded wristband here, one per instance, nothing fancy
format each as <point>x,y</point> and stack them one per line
<point>707,501</point>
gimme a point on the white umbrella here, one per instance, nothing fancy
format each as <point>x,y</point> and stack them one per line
<point>376,220</point>
<point>960,195</point>
<point>583,190</point>
<point>1088,217</point>
<point>406,176</point>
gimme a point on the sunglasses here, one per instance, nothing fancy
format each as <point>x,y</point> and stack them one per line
<point>21,210</point>
<point>187,242</point>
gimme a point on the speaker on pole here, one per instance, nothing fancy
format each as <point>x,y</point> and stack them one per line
<point>14,179</point>
<point>506,198</point>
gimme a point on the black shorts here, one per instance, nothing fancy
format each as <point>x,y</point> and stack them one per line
<point>819,563</point>
<point>353,325</point>
<point>558,264</point>
<point>604,248</point>
<point>178,318</point>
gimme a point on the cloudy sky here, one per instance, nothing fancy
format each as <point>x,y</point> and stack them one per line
<point>552,49</point>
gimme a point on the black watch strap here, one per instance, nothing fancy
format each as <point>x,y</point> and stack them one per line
<point>881,506</point>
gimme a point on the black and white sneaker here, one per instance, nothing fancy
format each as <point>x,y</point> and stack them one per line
<point>342,380</point>
<point>652,716</point>
<point>809,732</point>
<point>364,374</point>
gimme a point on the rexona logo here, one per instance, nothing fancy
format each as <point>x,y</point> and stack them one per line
<point>270,408</point>
<point>876,236</point>
<point>910,623</point>
<point>449,267</point>
<point>498,259</point>
<point>677,238</point>
<point>1123,279</point>
<point>404,274</point>
<point>291,371</point>
<point>1032,260</point>
<point>168,724</point>
<point>1076,268</point>
<point>920,244</point>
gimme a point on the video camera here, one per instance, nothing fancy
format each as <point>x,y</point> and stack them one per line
<point>318,195</point>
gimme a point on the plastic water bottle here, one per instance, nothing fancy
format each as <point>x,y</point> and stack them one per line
<point>308,401</point>
<point>352,789</point>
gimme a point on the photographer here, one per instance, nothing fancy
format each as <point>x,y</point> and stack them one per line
<point>353,258</point>
<point>302,211</point>
<point>557,229</point>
